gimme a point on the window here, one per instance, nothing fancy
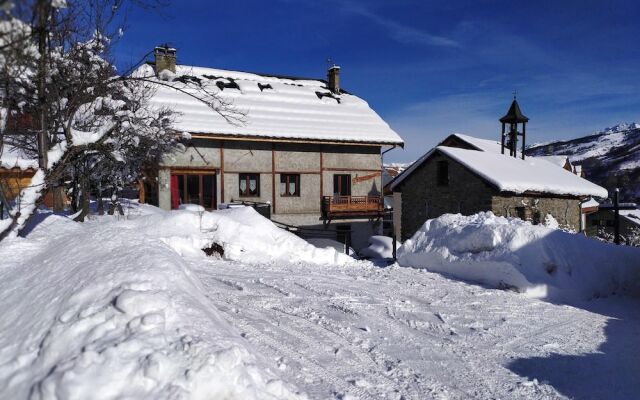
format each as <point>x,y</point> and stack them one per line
<point>193,189</point>
<point>289,185</point>
<point>443,173</point>
<point>342,185</point>
<point>249,185</point>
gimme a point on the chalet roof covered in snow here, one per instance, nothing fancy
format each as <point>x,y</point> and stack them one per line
<point>560,161</point>
<point>492,146</point>
<point>11,158</point>
<point>510,174</point>
<point>591,203</point>
<point>274,107</point>
<point>631,215</point>
<point>514,175</point>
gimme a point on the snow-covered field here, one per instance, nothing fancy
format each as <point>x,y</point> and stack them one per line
<point>130,308</point>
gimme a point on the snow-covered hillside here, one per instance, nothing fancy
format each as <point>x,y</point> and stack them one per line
<point>132,308</point>
<point>610,158</point>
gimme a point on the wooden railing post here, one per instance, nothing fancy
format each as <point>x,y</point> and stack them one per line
<point>394,244</point>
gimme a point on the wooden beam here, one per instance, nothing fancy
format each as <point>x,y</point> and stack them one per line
<point>276,140</point>
<point>321,173</point>
<point>221,172</point>
<point>352,169</point>
<point>141,191</point>
<point>273,179</point>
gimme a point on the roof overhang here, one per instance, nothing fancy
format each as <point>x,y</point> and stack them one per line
<point>250,138</point>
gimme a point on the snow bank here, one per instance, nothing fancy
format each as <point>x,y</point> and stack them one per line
<point>244,235</point>
<point>510,253</point>
<point>89,318</point>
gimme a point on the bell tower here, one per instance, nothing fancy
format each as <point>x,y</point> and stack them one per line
<point>512,119</point>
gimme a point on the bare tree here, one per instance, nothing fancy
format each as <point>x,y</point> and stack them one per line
<point>64,104</point>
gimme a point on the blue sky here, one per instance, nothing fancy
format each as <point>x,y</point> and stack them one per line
<point>428,68</point>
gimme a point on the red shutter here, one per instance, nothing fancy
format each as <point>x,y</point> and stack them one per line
<point>175,200</point>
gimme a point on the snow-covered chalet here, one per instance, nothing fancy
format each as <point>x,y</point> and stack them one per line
<point>307,147</point>
<point>466,175</point>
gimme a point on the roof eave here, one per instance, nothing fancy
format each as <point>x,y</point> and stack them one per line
<point>262,138</point>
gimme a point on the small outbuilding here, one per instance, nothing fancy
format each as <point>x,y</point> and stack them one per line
<point>467,175</point>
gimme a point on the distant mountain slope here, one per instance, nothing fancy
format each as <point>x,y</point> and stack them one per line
<point>610,158</point>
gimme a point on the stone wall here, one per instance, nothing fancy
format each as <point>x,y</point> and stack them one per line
<point>423,199</point>
<point>200,153</point>
<point>535,208</point>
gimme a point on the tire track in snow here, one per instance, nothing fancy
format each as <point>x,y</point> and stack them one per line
<point>377,367</point>
<point>281,346</point>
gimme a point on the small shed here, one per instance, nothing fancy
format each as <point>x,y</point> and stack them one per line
<point>467,181</point>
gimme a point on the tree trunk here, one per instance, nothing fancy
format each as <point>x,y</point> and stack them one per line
<point>84,200</point>
<point>43,10</point>
<point>58,198</point>
<point>115,205</point>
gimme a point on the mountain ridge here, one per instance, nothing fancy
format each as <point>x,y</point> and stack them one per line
<point>609,158</point>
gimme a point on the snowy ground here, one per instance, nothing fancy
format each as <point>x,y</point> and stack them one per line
<point>121,308</point>
<point>385,333</point>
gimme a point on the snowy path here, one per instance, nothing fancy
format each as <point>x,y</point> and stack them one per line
<point>368,332</point>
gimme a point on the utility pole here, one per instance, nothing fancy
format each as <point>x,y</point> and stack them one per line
<point>43,10</point>
<point>616,216</point>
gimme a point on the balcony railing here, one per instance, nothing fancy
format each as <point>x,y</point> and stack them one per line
<point>340,206</point>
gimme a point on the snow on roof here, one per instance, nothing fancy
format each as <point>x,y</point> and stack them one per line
<point>631,215</point>
<point>590,204</point>
<point>492,146</point>
<point>560,161</point>
<point>275,107</point>
<point>12,158</point>
<point>510,174</point>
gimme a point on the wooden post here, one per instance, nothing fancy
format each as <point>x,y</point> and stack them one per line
<point>616,216</point>
<point>221,171</point>
<point>273,179</point>
<point>524,128</point>
<point>394,243</point>
<point>141,191</point>
<point>321,176</point>
<point>347,242</point>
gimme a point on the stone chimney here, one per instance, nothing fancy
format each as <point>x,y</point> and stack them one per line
<point>165,58</point>
<point>333,77</point>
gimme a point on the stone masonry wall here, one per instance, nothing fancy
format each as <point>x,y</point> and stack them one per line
<point>565,211</point>
<point>423,199</point>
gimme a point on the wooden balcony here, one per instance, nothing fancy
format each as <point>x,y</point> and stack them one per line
<point>351,206</point>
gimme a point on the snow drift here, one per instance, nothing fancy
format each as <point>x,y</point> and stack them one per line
<point>510,253</point>
<point>244,235</point>
<point>110,309</point>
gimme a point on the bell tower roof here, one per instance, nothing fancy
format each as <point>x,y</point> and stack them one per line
<point>514,115</point>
